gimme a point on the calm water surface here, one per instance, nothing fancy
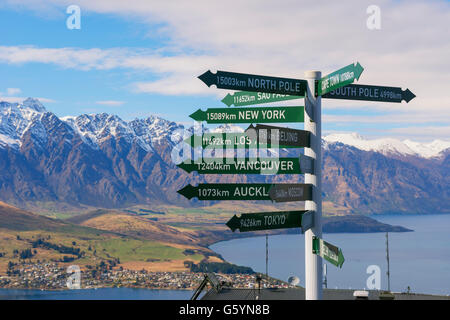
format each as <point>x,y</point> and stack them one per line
<point>419,259</point>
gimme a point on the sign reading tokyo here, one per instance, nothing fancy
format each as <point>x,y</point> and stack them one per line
<point>254,83</point>
<point>266,221</point>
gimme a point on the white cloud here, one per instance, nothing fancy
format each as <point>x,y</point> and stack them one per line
<point>110,103</point>
<point>12,91</point>
<point>281,38</point>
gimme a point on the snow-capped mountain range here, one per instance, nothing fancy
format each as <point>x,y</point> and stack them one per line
<point>17,118</point>
<point>388,146</point>
<point>102,160</point>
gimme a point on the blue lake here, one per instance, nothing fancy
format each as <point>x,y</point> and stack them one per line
<point>419,259</point>
<point>96,294</point>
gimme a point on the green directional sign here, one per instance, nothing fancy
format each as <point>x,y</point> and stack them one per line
<point>281,135</point>
<point>254,83</point>
<point>246,166</point>
<point>371,93</point>
<point>245,98</point>
<point>266,221</point>
<point>227,191</point>
<point>231,140</point>
<point>287,192</point>
<point>328,251</point>
<point>248,115</point>
<point>339,78</point>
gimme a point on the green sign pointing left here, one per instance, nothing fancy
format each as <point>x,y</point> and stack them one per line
<point>250,115</point>
<point>245,98</point>
<point>266,221</point>
<point>328,251</point>
<point>339,78</point>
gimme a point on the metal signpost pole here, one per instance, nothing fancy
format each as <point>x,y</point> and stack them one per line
<point>313,262</point>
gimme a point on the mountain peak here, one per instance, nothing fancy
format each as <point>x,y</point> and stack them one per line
<point>34,104</point>
<point>390,145</point>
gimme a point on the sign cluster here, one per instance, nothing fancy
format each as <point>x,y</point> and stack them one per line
<point>257,90</point>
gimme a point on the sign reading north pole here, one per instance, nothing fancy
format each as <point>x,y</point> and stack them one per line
<point>339,78</point>
<point>254,83</point>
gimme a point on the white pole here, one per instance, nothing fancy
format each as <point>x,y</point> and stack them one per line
<point>313,262</point>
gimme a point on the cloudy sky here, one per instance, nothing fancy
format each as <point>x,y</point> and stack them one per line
<point>135,58</point>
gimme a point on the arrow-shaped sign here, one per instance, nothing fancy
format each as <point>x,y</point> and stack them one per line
<point>248,115</point>
<point>339,78</point>
<point>266,221</point>
<point>238,191</point>
<point>245,98</point>
<point>227,191</point>
<point>231,140</point>
<point>328,251</point>
<point>287,192</point>
<point>248,166</point>
<point>371,93</point>
<point>254,83</point>
<point>281,135</point>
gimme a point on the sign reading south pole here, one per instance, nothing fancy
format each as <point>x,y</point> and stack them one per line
<point>339,78</point>
<point>248,115</point>
<point>371,93</point>
<point>245,98</point>
<point>266,221</point>
<point>328,251</point>
<point>254,83</point>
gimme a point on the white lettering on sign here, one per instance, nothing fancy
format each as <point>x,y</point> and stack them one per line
<point>275,220</point>
<point>251,191</point>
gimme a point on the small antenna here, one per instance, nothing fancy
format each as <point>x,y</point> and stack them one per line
<point>325,279</point>
<point>267,257</point>
<point>388,273</point>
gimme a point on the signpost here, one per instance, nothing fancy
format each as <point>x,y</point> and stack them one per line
<point>248,166</point>
<point>328,251</point>
<point>248,115</point>
<point>256,89</point>
<point>371,93</point>
<point>245,98</point>
<point>339,78</point>
<point>266,221</point>
<point>287,192</point>
<point>284,136</point>
<point>254,83</point>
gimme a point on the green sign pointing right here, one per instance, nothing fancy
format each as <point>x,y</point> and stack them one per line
<point>328,251</point>
<point>339,78</point>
